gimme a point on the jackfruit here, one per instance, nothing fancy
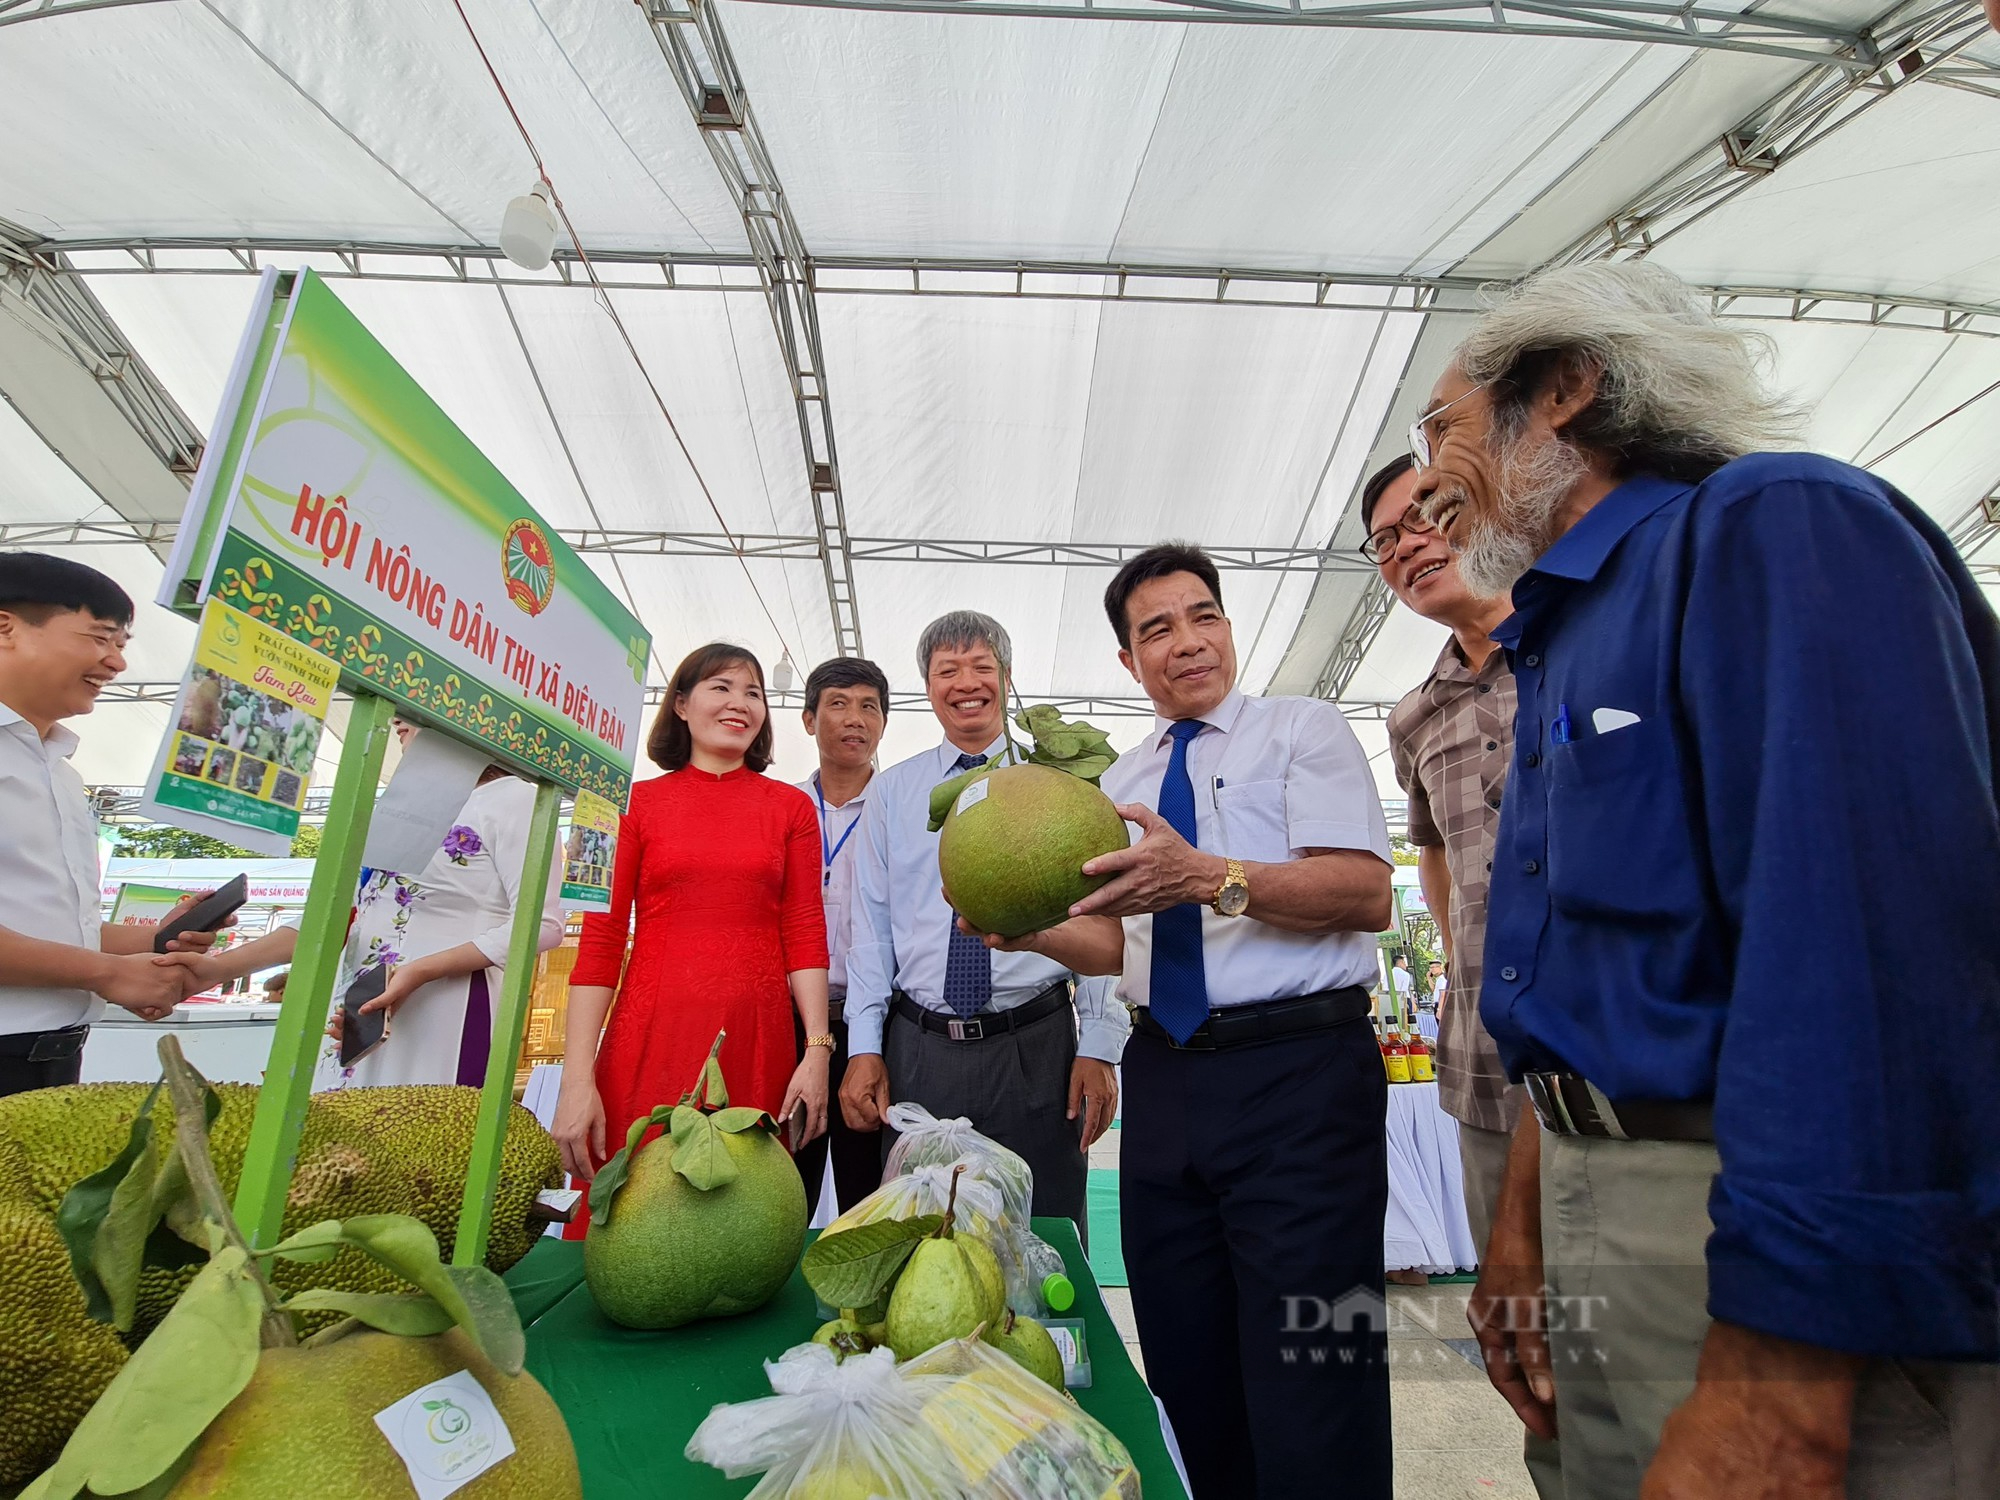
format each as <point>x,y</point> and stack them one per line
<point>55,1359</point>
<point>401,1149</point>
<point>311,1412</point>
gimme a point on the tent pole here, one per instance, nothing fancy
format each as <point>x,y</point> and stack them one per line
<point>496,1099</point>
<point>281,1104</point>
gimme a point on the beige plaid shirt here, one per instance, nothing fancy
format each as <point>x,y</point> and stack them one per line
<point>1451,739</point>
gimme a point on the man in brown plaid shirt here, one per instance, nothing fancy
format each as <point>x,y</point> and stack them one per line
<point>1450,739</point>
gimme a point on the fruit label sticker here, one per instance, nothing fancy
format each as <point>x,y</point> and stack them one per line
<point>972,796</point>
<point>589,854</point>
<point>238,756</point>
<point>446,1433</point>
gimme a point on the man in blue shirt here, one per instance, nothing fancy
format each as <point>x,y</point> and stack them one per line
<point>1759,712</point>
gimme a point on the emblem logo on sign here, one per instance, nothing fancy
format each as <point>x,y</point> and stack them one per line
<point>530,566</point>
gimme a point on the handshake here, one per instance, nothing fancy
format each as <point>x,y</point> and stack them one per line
<point>150,985</point>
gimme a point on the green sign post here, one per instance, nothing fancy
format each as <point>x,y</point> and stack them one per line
<point>340,506</point>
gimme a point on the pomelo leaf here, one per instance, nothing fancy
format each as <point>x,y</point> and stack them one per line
<point>611,1176</point>
<point>118,1252</point>
<point>1081,749</point>
<point>854,1267</point>
<point>685,1119</point>
<point>313,1244</point>
<point>714,1091</point>
<point>741,1118</point>
<point>703,1159</point>
<point>164,1397</point>
<point>84,1208</point>
<point>472,1296</point>
<point>408,1315</point>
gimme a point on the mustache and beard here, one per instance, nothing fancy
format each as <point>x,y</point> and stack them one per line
<point>1495,547</point>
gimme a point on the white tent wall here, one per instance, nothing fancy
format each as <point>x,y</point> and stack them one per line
<point>1097,409</point>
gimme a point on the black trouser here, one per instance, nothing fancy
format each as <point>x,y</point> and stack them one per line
<point>41,1059</point>
<point>1013,1086</point>
<point>857,1155</point>
<point>1253,1184</point>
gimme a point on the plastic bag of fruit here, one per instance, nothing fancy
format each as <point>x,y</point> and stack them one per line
<point>1013,1437</point>
<point>963,1422</point>
<point>923,1140</point>
<point>835,1429</point>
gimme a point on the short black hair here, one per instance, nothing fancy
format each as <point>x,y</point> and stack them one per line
<point>1378,485</point>
<point>36,586</point>
<point>846,671</point>
<point>1156,562</point>
<point>671,744</point>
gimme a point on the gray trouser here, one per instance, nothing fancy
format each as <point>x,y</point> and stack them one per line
<point>1013,1086</point>
<point>1624,1230</point>
<point>1482,1161</point>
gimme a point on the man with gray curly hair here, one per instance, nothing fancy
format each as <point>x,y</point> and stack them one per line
<point>1759,706</point>
<point>934,1017</point>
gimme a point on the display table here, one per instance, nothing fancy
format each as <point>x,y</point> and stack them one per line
<point>1426,1228</point>
<point>632,1400</point>
<point>229,1043</point>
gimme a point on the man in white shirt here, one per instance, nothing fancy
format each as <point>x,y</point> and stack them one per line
<point>1253,1175</point>
<point>1399,971</point>
<point>847,708</point>
<point>934,1017</point>
<point>63,631</point>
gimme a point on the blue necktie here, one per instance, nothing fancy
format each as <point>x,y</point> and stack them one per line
<point>968,963</point>
<point>1179,993</point>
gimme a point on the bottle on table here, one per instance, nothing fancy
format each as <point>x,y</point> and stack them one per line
<point>1421,1070</point>
<point>1397,1058</point>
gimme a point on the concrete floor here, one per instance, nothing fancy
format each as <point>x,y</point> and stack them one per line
<point>1455,1437</point>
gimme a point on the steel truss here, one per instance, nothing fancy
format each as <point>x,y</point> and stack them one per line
<point>903,276</point>
<point>1670,23</point>
<point>1088,705</point>
<point>1916,40</point>
<point>697,52</point>
<point>782,548</point>
<point>13,11</point>
<point>40,287</point>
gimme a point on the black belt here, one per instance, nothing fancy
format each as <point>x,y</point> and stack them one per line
<point>1241,1025</point>
<point>988,1023</point>
<point>44,1046</point>
<point>1568,1104</point>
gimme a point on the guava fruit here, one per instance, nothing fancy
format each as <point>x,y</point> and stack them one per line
<point>1012,849</point>
<point>844,1336</point>
<point>844,1479</point>
<point>949,1288</point>
<point>1028,1344</point>
<point>306,1423</point>
<point>704,1221</point>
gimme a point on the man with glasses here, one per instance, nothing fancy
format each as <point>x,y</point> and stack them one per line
<point>63,632</point>
<point>1450,740</point>
<point>1748,1243</point>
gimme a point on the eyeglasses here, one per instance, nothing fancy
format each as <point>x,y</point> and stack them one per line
<point>1420,438</point>
<point>1381,545</point>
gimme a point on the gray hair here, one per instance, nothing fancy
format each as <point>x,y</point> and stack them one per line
<point>1678,393</point>
<point>960,630</point>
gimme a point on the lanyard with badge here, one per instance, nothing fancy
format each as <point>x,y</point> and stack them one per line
<point>829,851</point>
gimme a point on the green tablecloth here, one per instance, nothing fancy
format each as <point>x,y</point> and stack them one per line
<point>633,1399</point>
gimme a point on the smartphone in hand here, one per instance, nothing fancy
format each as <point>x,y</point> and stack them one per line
<point>795,1128</point>
<point>206,915</point>
<point>361,1034</point>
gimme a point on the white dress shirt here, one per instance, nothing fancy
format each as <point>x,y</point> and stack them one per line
<point>837,838</point>
<point>1272,777</point>
<point>901,924</point>
<point>48,867</point>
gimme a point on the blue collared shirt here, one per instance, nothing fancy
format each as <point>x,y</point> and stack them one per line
<point>1749,835</point>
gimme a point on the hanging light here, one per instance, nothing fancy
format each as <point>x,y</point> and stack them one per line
<point>528,230</point>
<point>783,675</point>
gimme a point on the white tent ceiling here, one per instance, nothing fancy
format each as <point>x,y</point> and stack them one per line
<point>1082,283</point>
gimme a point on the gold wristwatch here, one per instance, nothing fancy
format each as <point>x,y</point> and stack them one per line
<point>1233,898</point>
<point>821,1041</point>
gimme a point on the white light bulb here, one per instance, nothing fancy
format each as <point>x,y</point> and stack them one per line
<point>781,678</point>
<point>528,229</point>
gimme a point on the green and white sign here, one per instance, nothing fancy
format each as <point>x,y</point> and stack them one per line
<point>339,505</point>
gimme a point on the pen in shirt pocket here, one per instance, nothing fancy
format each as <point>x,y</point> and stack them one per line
<point>1559,731</point>
<point>1215,785</point>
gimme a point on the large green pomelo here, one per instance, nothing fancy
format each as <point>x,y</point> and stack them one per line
<point>305,1425</point>
<point>672,1253</point>
<point>1012,860</point>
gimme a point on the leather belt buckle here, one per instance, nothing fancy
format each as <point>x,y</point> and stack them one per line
<point>1545,1093</point>
<point>971,1030</point>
